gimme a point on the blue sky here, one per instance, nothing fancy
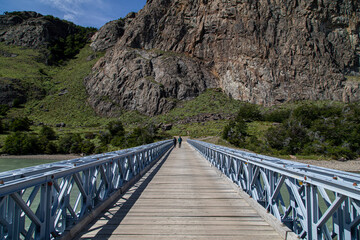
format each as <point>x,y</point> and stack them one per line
<point>87,13</point>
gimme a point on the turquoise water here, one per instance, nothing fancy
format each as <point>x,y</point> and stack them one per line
<point>7,164</point>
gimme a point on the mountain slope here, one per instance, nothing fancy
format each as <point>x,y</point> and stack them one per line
<point>265,52</point>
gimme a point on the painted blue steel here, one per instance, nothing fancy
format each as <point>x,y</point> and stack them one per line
<point>315,202</point>
<point>42,202</point>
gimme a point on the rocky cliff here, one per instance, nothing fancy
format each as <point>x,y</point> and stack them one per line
<point>264,52</point>
<point>31,29</point>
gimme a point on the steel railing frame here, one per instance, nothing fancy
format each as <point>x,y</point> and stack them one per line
<point>270,181</point>
<point>44,201</point>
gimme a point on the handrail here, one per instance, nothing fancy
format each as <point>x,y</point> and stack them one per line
<point>41,202</point>
<point>315,202</point>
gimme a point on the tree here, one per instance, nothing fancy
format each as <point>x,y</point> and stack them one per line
<point>48,133</point>
<point>87,147</point>
<point>4,109</point>
<point>21,143</point>
<point>116,128</point>
<point>19,124</point>
<point>70,143</point>
<point>235,132</point>
<point>249,112</point>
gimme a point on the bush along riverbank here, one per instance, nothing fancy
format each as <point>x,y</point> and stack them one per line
<point>329,129</point>
<point>22,141</point>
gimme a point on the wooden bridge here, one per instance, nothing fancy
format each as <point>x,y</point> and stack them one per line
<point>212,193</point>
<point>182,197</point>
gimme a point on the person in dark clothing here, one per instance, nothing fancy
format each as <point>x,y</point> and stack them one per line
<point>174,141</point>
<point>179,140</point>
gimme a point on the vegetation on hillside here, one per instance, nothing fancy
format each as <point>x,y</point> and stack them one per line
<point>56,94</point>
<point>60,50</point>
<point>307,128</point>
<point>67,48</point>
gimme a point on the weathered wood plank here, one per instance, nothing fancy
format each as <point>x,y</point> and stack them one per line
<point>186,199</point>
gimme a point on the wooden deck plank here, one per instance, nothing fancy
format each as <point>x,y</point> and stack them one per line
<point>183,198</point>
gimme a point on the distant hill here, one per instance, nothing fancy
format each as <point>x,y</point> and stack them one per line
<point>33,30</point>
<point>53,40</point>
<point>59,39</point>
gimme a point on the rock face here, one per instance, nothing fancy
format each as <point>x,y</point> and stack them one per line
<point>264,52</point>
<point>108,35</point>
<point>147,81</point>
<point>31,29</point>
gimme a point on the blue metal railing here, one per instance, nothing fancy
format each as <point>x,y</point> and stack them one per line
<point>315,202</point>
<point>42,202</point>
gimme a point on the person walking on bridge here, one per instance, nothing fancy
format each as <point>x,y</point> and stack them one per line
<point>174,142</point>
<point>179,140</point>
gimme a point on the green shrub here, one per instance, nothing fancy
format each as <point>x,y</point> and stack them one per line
<point>21,143</point>
<point>118,141</point>
<point>101,149</point>
<point>87,147</point>
<point>249,112</point>
<point>70,143</point>
<point>116,128</point>
<point>68,47</point>
<point>4,109</point>
<point>19,124</point>
<point>235,132</point>
<point>139,136</point>
<point>74,143</point>
<point>105,138</point>
<point>276,136</point>
<point>309,112</point>
<point>48,133</point>
<point>290,137</point>
<point>51,148</point>
<point>297,137</point>
<point>342,152</point>
<point>277,115</point>
<point>1,127</point>
<point>352,112</point>
<point>90,135</point>
<point>16,102</point>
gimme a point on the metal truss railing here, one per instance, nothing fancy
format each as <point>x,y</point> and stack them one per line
<point>42,202</point>
<point>315,202</point>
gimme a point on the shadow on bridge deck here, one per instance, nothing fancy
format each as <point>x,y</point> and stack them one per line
<point>181,197</point>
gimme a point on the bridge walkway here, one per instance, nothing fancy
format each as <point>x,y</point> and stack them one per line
<point>181,197</point>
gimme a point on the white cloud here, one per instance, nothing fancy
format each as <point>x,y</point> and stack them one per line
<point>73,10</point>
<point>70,17</point>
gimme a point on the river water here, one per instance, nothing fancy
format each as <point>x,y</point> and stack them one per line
<point>7,164</point>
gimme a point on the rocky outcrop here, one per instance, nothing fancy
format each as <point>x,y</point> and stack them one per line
<point>31,29</point>
<point>264,52</point>
<point>147,81</point>
<point>108,35</point>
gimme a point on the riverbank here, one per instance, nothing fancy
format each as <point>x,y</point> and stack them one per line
<point>348,166</point>
<point>42,156</point>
